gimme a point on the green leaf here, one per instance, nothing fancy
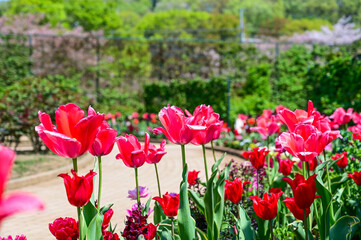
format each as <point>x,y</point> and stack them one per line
<point>326,200</point>
<point>197,200</point>
<point>244,225</point>
<point>95,228</point>
<point>89,211</point>
<point>186,224</point>
<point>166,235</point>
<point>145,210</point>
<point>201,234</point>
<point>344,228</point>
<point>215,166</point>
<point>158,214</point>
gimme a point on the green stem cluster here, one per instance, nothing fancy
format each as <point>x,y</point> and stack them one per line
<point>205,161</point>
<point>75,167</point>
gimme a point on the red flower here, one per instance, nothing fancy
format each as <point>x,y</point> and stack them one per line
<point>205,123</point>
<point>78,189</point>
<point>176,127</point>
<point>74,133</point>
<point>169,204</point>
<point>64,229</point>
<point>275,190</point>
<point>108,235</point>
<point>266,208</point>
<point>149,231</point>
<point>131,152</point>
<point>251,121</point>
<point>341,117</point>
<point>304,191</point>
<point>266,126</point>
<point>234,190</point>
<point>21,237</point>
<point>306,142</point>
<point>342,163</point>
<point>107,216</point>
<point>295,210</point>
<point>285,166</point>
<point>104,140</point>
<point>257,157</point>
<point>356,176</point>
<point>192,177</point>
<point>14,202</point>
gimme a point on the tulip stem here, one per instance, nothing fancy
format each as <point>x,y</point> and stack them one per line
<point>214,154</point>
<point>305,223</point>
<point>183,156</point>
<point>205,161</point>
<point>270,222</point>
<point>75,167</point>
<point>257,183</point>
<point>172,220</point>
<point>100,180</point>
<point>156,173</point>
<point>136,184</point>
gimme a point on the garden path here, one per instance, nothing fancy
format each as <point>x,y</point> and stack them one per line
<point>117,180</point>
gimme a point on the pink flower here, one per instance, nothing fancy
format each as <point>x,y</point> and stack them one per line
<point>205,123</point>
<point>74,133</point>
<point>292,119</point>
<point>14,202</point>
<point>356,117</point>
<point>154,154</point>
<point>21,237</point>
<point>341,117</point>
<point>131,152</point>
<point>176,127</point>
<point>306,142</point>
<point>266,126</point>
<point>143,193</point>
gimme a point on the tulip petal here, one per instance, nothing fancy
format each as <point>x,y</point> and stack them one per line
<point>67,116</point>
<point>6,160</point>
<point>60,144</point>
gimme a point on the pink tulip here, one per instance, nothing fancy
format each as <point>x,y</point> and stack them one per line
<point>176,127</point>
<point>15,202</point>
<point>356,118</point>
<point>74,133</point>
<point>131,152</point>
<point>154,154</point>
<point>341,117</point>
<point>266,127</point>
<point>205,123</point>
<point>306,142</point>
<point>292,119</point>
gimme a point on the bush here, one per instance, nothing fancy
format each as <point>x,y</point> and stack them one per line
<point>187,94</point>
<point>20,103</point>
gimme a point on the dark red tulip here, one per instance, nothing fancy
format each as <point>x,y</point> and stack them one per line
<point>192,177</point>
<point>304,191</point>
<point>285,166</point>
<point>169,204</point>
<point>108,235</point>
<point>356,176</point>
<point>342,163</point>
<point>275,190</point>
<point>149,231</point>
<point>64,229</point>
<point>234,190</point>
<point>257,157</point>
<point>74,133</point>
<point>266,208</point>
<point>295,210</point>
<point>78,188</point>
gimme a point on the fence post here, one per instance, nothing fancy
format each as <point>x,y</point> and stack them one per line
<point>30,41</point>
<point>228,100</point>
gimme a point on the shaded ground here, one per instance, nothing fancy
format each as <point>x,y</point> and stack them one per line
<point>117,180</point>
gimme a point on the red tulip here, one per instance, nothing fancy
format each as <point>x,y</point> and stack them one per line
<point>15,202</point>
<point>266,127</point>
<point>74,133</point>
<point>285,166</point>
<point>107,216</point>
<point>149,231</point>
<point>108,235</point>
<point>251,121</point>
<point>104,140</point>
<point>78,189</point>
<point>257,157</point>
<point>21,237</point>
<point>131,152</point>
<point>275,190</point>
<point>306,142</point>
<point>64,229</point>
<point>176,127</point>
<point>304,191</point>
<point>341,117</point>
<point>192,177</point>
<point>266,208</point>
<point>356,176</point>
<point>234,190</point>
<point>342,163</point>
<point>295,210</point>
<point>154,154</point>
<point>169,204</point>
<point>205,123</point>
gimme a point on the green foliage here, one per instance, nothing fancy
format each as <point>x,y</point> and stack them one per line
<point>187,94</point>
<point>301,25</point>
<point>20,103</point>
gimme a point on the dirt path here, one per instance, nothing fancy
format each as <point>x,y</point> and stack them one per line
<point>117,180</point>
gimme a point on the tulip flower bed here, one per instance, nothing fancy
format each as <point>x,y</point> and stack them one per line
<point>301,181</point>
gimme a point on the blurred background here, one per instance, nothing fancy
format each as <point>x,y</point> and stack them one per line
<point>125,57</point>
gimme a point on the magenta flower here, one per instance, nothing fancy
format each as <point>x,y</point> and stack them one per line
<point>131,152</point>
<point>341,117</point>
<point>266,126</point>
<point>15,202</point>
<point>143,193</point>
